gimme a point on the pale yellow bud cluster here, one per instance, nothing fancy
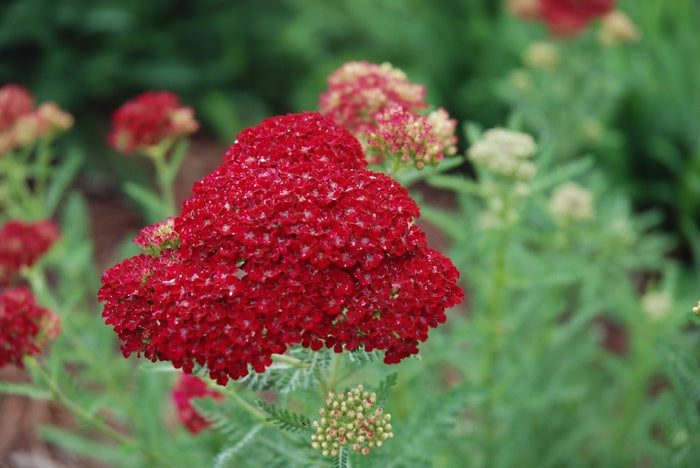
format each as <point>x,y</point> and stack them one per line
<point>349,419</point>
<point>617,28</point>
<point>443,128</point>
<point>505,152</point>
<point>541,55</point>
<point>656,305</point>
<point>696,309</point>
<point>571,202</point>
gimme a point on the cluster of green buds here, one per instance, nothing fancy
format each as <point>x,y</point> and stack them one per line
<point>348,420</point>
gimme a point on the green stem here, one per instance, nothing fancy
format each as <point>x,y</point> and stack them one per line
<point>60,397</point>
<point>165,185</point>
<point>291,361</point>
<point>41,169</point>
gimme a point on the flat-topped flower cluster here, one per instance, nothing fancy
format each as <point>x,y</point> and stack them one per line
<point>290,241</point>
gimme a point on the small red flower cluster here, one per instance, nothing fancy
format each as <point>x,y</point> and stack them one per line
<point>21,244</point>
<point>15,101</point>
<point>24,325</point>
<point>358,91</point>
<point>21,125</point>
<point>290,241</point>
<point>563,17</point>
<point>148,119</point>
<point>188,388</point>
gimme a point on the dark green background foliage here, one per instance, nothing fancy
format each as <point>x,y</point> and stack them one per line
<point>239,61</point>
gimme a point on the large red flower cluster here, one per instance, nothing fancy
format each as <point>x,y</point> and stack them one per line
<point>22,243</point>
<point>358,91</point>
<point>290,241</point>
<point>188,388</point>
<point>24,326</point>
<point>563,17</point>
<point>148,119</point>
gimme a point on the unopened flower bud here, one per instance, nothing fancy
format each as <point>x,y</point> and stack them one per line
<point>617,28</point>
<point>352,428</point>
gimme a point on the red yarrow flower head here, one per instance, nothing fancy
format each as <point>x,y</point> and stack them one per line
<point>15,101</point>
<point>22,244</point>
<point>290,241</point>
<point>567,17</point>
<point>358,91</point>
<point>407,137</point>
<point>189,387</point>
<point>24,326</point>
<point>149,119</point>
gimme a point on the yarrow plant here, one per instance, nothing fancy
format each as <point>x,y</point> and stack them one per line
<point>26,133</point>
<point>155,125</point>
<point>290,241</point>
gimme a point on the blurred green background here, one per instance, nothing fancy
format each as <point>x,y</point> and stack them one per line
<point>239,61</point>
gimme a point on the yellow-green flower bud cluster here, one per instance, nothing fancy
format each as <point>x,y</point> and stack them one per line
<point>350,419</point>
<point>505,152</point>
<point>696,309</point>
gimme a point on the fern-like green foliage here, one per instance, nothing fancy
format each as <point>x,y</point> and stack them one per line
<point>385,386</point>
<point>359,356</point>
<point>285,419</point>
<point>286,378</point>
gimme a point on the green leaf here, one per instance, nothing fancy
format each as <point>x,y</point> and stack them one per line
<point>115,456</point>
<point>226,454</point>
<point>562,174</point>
<point>150,202</point>
<point>28,390</point>
<point>458,184</point>
<point>385,387</point>
<point>285,419</point>
<point>343,458</point>
<point>63,176</point>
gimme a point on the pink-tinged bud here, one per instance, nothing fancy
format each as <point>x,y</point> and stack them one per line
<point>15,101</point>
<point>358,91</point>
<point>56,118</point>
